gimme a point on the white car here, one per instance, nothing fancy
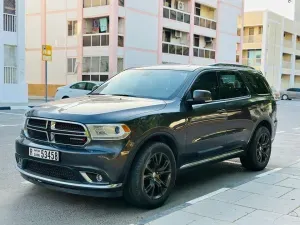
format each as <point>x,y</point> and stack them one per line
<point>76,89</point>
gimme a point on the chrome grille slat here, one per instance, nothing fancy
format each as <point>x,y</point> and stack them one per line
<point>70,133</point>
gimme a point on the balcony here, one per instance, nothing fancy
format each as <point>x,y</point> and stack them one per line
<point>204,53</point>
<point>176,49</point>
<point>96,40</point>
<point>9,22</point>
<point>288,43</point>
<point>94,8</point>
<point>253,39</point>
<point>253,62</point>
<point>177,15</point>
<point>95,3</point>
<point>207,23</point>
<point>10,75</point>
<point>287,64</point>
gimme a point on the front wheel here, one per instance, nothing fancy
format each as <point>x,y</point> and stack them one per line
<point>285,97</point>
<point>259,151</point>
<point>152,176</point>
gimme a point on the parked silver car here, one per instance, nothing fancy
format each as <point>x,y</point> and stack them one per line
<point>291,93</point>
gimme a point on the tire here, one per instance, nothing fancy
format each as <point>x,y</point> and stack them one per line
<point>285,97</point>
<point>143,185</point>
<point>65,97</point>
<point>259,150</point>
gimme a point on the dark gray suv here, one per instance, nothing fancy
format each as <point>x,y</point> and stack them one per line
<point>135,132</point>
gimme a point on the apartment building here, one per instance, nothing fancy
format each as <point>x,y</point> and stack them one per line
<point>96,39</point>
<point>13,87</point>
<point>272,44</point>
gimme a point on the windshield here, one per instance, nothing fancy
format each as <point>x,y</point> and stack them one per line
<point>157,84</point>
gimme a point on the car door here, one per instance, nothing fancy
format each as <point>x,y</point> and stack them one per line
<point>235,93</point>
<point>205,131</point>
<point>77,89</point>
<point>292,93</point>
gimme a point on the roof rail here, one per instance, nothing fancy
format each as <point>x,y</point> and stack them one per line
<point>232,65</point>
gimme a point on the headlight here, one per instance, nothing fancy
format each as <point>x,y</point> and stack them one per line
<point>108,131</point>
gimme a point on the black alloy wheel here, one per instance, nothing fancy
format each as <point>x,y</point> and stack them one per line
<point>263,148</point>
<point>157,175</point>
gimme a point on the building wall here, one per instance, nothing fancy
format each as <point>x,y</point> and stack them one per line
<point>16,39</point>
<point>142,26</point>
<point>279,47</point>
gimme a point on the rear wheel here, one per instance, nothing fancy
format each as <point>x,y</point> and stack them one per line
<point>259,151</point>
<point>152,176</point>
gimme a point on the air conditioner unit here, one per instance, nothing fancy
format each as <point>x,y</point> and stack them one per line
<point>178,34</point>
<point>208,39</point>
<point>180,5</point>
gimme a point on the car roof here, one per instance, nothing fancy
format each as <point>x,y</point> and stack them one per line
<point>194,67</point>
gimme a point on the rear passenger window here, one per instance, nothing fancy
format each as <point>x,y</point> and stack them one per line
<point>257,83</point>
<point>231,85</point>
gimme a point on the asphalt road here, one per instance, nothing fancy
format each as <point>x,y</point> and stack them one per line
<point>24,203</point>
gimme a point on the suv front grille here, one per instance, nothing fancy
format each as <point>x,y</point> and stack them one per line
<point>51,171</point>
<point>56,132</point>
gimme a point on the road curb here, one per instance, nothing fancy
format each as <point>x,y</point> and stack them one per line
<point>15,107</point>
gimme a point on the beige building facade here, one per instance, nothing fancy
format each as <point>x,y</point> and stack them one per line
<point>271,43</point>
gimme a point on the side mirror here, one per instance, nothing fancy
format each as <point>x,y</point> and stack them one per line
<point>200,97</point>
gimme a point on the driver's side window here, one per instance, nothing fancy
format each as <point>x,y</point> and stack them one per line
<point>208,82</point>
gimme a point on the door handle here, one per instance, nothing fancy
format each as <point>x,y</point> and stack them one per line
<point>221,111</point>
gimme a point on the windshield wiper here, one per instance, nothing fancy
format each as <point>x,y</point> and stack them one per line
<point>124,95</point>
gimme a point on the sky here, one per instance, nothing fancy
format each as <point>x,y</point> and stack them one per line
<point>281,7</point>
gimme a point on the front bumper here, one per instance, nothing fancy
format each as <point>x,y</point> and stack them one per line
<point>66,174</point>
<point>112,190</point>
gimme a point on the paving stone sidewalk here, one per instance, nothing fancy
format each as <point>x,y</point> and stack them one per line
<point>270,199</point>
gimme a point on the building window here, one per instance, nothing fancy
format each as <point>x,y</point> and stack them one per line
<point>260,30</point>
<point>95,68</point>
<point>121,41</point>
<point>71,65</point>
<point>251,31</point>
<point>121,2</point>
<point>120,65</point>
<point>10,64</point>
<point>72,28</point>
<point>95,3</point>
<point>197,9</point>
<point>9,7</point>
<point>196,40</point>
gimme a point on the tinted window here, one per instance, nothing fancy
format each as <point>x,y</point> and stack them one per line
<point>80,86</point>
<point>157,84</point>
<point>292,89</point>
<point>208,82</point>
<point>89,86</point>
<point>256,83</point>
<point>231,85</point>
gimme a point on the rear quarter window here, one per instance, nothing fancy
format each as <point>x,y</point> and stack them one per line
<point>256,83</point>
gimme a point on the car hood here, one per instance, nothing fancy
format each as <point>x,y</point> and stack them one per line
<point>95,109</point>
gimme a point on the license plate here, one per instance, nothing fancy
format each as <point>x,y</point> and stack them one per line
<point>44,154</point>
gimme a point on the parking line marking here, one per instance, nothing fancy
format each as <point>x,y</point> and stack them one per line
<point>232,162</point>
<point>268,172</point>
<point>25,182</point>
<point>15,114</point>
<point>10,125</point>
<point>280,132</point>
<point>207,196</point>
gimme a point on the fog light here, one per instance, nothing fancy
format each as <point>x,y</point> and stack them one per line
<point>99,178</point>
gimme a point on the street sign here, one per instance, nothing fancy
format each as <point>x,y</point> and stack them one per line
<point>47,53</point>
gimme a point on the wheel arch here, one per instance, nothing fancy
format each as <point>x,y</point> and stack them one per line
<point>163,137</point>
